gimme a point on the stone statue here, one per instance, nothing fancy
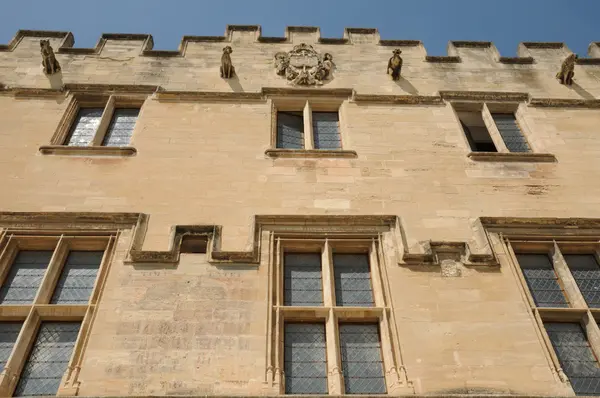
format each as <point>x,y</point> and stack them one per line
<point>304,66</point>
<point>227,69</point>
<point>49,61</point>
<point>567,70</point>
<point>395,65</point>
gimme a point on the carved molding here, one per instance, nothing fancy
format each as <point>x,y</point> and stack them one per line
<point>443,59</point>
<point>484,96</point>
<point>516,60</point>
<point>310,153</point>
<point>565,103</point>
<point>399,99</point>
<point>471,44</point>
<point>122,151</point>
<point>308,92</point>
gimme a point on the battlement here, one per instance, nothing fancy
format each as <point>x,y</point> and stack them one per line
<point>143,44</point>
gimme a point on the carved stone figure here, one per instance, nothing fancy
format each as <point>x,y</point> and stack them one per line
<point>567,70</point>
<point>227,69</point>
<point>395,65</point>
<point>49,61</point>
<point>304,66</point>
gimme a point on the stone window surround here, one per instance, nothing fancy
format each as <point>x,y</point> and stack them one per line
<point>504,155</point>
<point>307,105</point>
<point>34,313</point>
<point>329,314</point>
<point>108,101</point>
<point>554,244</point>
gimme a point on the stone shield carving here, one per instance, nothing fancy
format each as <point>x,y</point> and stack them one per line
<point>304,66</point>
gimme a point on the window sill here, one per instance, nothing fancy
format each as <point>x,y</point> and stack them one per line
<point>512,157</point>
<point>310,153</point>
<point>123,151</point>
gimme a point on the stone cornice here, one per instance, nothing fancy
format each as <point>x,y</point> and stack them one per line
<point>167,95</point>
<point>543,45</point>
<point>472,44</point>
<point>398,99</point>
<point>565,103</point>
<point>443,59</point>
<point>516,60</point>
<point>527,157</point>
<point>484,96</point>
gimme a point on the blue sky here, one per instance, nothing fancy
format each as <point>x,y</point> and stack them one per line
<point>434,22</point>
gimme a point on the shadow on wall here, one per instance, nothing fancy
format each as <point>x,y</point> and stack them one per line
<point>234,83</point>
<point>581,91</point>
<point>56,80</point>
<point>406,86</point>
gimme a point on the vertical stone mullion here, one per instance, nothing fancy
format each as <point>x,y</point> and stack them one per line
<point>104,121</point>
<point>308,127</point>
<point>575,297</point>
<point>334,373</point>
<point>44,293</point>
<point>493,130</point>
<point>593,332</point>
<point>327,272</point>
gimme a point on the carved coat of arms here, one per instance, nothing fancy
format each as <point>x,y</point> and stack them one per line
<point>304,66</point>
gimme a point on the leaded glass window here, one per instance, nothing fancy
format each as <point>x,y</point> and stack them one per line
<point>85,126</point>
<point>9,331</point>
<point>25,276</point>
<point>305,362</point>
<point>48,359</point>
<point>326,130</point>
<point>362,366</point>
<point>290,130</point>
<point>575,356</point>
<point>121,127</point>
<point>77,278</point>
<point>303,285</point>
<point>542,280</point>
<point>586,272</point>
<point>511,132</point>
<point>352,280</point>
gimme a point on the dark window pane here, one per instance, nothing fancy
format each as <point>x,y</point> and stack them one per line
<point>121,127</point>
<point>542,281</point>
<point>511,133</point>
<point>25,276</point>
<point>85,126</point>
<point>586,272</point>
<point>326,130</point>
<point>290,130</point>
<point>352,280</point>
<point>9,331</point>
<point>476,132</point>
<point>77,278</point>
<point>305,363</point>
<point>302,285</point>
<point>48,359</point>
<point>575,356</point>
<point>362,367</point>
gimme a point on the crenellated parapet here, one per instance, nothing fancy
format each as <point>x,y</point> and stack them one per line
<point>457,51</point>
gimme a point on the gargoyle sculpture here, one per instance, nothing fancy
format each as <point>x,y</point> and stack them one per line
<point>49,62</point>
<point>395,65</point>
<point>567,70</point>
<point>227,69</point>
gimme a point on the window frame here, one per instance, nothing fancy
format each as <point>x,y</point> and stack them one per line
<point>307,106</point>
<point>40,310</point>
<point>555,245</point>
<point>329,313</point>
<point>487,108</point>
<point>109,103</point>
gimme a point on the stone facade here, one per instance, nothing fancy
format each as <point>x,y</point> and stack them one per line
<point>442,222</point>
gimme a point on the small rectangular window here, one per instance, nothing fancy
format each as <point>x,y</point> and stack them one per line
<point>77,278</point>
<point>305,360</point>
<point>326,130</point>
<point>586,272</point>
<point>352,280</point>
<point>575,356</point>
<point>9,331</point>
<point>48,359</point>
<point>362,366</point>
<point>85,126</point>
<point>303,285</point>
<point>511,132</point>
<point>25,276</point>
<point>542,280</point>
<point>476,132</point>
<point>290,130</point>
<point>121,127</point>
